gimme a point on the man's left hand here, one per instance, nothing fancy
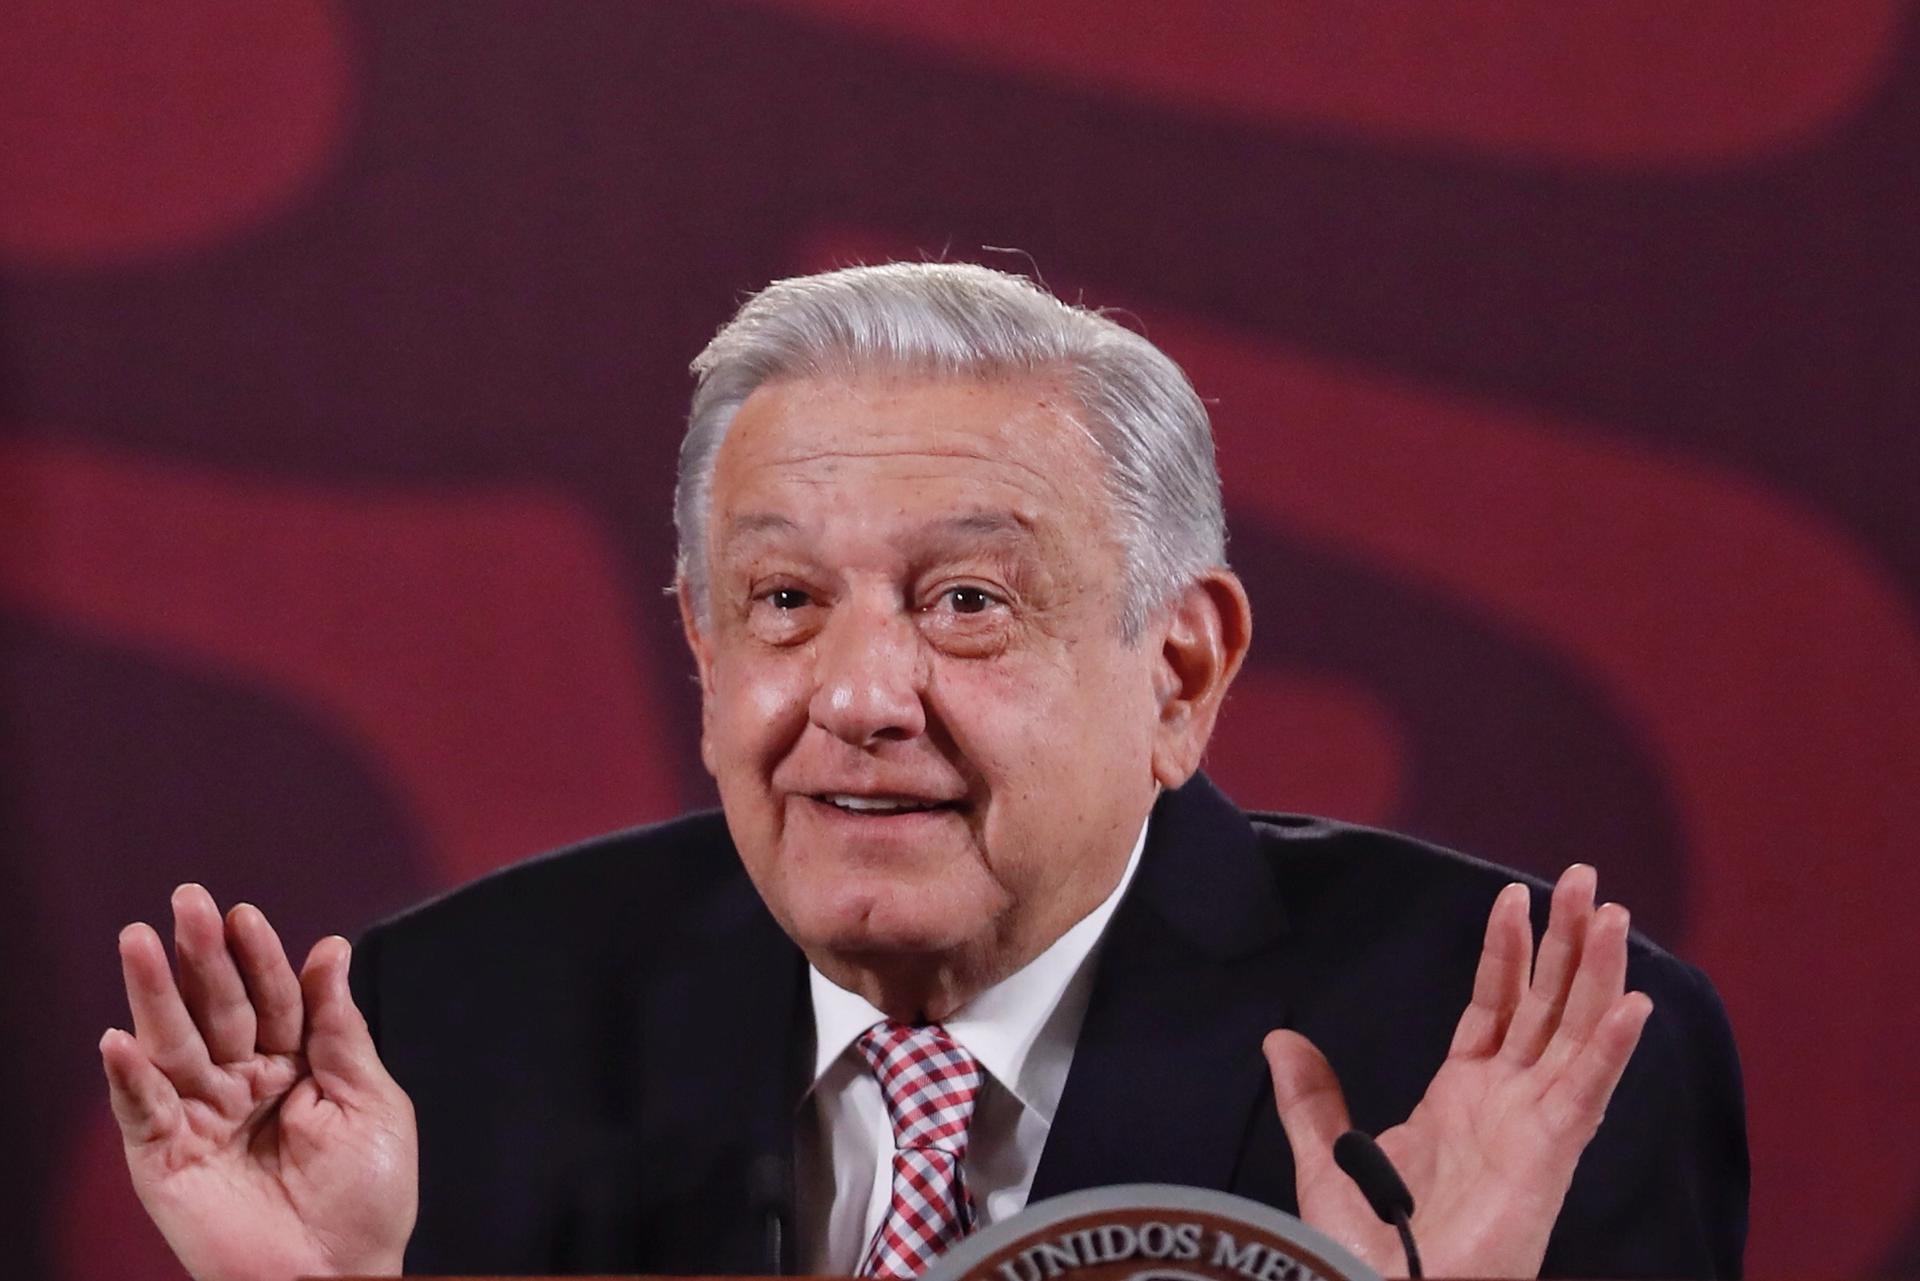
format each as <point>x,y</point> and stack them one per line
<point>1490,1151</point>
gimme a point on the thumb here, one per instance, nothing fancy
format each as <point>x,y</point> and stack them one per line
<point>1312,1109</point>
<point>339,1048</point>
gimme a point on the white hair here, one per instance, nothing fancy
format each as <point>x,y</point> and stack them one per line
<point>960,320</point>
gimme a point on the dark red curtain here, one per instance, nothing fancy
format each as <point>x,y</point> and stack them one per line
<point>1566,364</point>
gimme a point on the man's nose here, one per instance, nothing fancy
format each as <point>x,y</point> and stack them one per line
<point>870,675</point>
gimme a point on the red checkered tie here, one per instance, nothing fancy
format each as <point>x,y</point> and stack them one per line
<point>930,1083</point>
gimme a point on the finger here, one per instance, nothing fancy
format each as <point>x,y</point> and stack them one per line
<point>1313,1111</point>
<point>1501,979</point>
<point>144,1102</point>
<point>270,982</point>
<point>209,981</point>
<point>165,1030</point>
<point>1597,984</point>
<point>1578,1098</point>
<point>339,1047</point>
<point>1553,969</point>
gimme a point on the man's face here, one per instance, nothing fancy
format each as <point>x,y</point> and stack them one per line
<point>931,743</point>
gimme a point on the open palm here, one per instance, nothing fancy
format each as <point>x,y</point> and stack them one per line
<point>1490,1150</point>
<point>263,1135</point>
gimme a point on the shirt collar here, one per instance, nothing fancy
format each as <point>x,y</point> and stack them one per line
<point>1022,1029</point>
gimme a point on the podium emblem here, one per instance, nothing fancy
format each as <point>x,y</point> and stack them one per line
<point>1149,1232</point>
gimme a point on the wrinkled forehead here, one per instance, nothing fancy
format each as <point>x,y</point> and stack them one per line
<point>899,449</point>
<point>887,411</point>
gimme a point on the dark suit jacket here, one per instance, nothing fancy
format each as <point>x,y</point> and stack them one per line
<point>605,1046</point>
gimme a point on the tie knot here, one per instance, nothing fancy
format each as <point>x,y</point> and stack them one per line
<point>929,1083</point>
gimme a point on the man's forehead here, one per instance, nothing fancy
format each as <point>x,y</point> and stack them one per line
<point>954,459</point>
<point>898,415</point>
<point>975,527</point>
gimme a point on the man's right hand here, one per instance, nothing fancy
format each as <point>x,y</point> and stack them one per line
<point>263,1134</point>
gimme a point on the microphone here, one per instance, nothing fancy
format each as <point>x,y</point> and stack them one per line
<point>768,1192</point>
<point>1357,1154</point>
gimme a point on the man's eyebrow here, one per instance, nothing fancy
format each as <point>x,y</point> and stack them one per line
<point>976,524</point>
<point>989,524</point>
<point>752,525</point>
<point>993,527</point>
<point>760,523</point>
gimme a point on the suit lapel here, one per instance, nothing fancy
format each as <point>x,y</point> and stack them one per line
<point>724,1030</point>
<point>1167,1071</point>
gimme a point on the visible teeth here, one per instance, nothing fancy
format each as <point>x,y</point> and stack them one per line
<point>876,804</point>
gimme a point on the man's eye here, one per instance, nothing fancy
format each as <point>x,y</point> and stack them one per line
<point>968,600</point>
<point>788,598</point>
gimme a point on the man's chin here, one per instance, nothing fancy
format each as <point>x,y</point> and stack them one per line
<point>873,939</point>
<point>871,928</point>
<point>911,956</point>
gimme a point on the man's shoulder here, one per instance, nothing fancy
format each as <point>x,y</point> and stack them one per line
<point>539,960</point>
<point>578,891</point>
<point>1316,851</point>
<point>1334,876</point>
<point>1363,887</point>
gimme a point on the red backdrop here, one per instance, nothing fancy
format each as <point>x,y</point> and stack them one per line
<point>1566,361</point>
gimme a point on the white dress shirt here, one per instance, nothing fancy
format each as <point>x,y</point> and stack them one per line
<point>1022,1032</point>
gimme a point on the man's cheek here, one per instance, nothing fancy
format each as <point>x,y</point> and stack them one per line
<point>775,698</point>
<point>760,698</point>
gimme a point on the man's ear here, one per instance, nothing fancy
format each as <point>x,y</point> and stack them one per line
<point>1203,640</point>
<point>698,642</point>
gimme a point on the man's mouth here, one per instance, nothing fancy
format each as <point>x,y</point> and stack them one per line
<point>882,806</point>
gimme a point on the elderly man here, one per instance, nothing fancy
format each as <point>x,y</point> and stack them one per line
<point>952,570</point>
